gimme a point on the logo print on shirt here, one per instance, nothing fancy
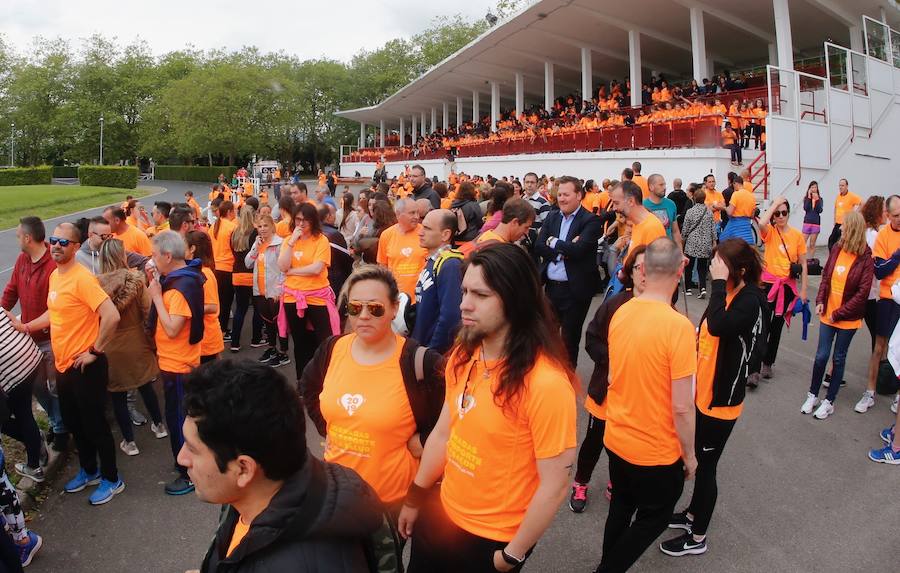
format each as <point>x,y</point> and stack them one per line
<point>464,403</point>
<point>352,402</point>
<point>840,269</point>
<point>406,251</point>
<point>52,296</point>
<point>298,255</point>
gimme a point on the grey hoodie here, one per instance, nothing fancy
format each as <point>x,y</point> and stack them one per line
<point>274,276</point>
<point>91,259</point>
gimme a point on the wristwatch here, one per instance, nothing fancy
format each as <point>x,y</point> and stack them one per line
<point>511,560</point>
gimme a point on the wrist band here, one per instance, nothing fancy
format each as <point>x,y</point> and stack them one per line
<point>512,559</point>
<point>415,496</point>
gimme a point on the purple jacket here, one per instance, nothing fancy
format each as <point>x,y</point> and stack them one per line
<point>856,290</point>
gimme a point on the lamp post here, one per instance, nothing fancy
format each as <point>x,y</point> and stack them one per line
<point>101,140</point>
<point>12,145</point>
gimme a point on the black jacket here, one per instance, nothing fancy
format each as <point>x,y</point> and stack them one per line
<point>596,342</point>
<point>239,256</point>
<point>739,328</point>
<point>320,520</point>
<point>341,260</point>
<point>474,219</point>
<point>426,395</point>
<point>426,192</point>
<point>579,250</point>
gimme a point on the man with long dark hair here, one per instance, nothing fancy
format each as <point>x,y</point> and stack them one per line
<point>507,425</point>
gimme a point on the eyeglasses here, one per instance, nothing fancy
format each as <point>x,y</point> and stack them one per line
<point>61,242</point>
<point>780,214</point>
<point>355,308</point>
<point>103,236</point>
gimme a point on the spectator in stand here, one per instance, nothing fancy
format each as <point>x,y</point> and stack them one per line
<point>29,286</point>
<point>730,139</point>
<point>812,216</point>
<point>845,202</point>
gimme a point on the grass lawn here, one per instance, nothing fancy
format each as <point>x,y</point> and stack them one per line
<point>48,201</point>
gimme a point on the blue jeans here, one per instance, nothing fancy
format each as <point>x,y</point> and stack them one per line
<point>173,392</point>
<point>841,338</point>
<point>47,397</point>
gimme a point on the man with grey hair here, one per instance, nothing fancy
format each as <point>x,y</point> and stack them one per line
<point>423,206</point>
<point>176,323</point>
<point>650,410</point>
<point>399,249</point>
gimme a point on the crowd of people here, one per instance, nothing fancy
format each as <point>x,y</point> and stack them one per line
<point>436,327</point>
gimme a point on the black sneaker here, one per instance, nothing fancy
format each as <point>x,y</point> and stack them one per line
<point>226,336</point>
<point>681,521</point>
<point>235,349</point>
<point>578,499</point>
<point>179,486</point>
<point>683,545</point>
<point>259,343</point>
<point>827,382</point>
<point>267,355</point>
<point>280,359</point>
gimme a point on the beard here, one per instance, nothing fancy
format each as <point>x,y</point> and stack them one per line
<point>470,337</point>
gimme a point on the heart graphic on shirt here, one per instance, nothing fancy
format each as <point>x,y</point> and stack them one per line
<point>352,402</point>
<point>840,269</point>
<point>298,255</point>
<point>406,251</point>
<point>52,296</point>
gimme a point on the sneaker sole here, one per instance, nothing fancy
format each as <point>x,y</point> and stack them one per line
<point>180,492</point>
<point>38,545</point>
<point>161,436</point>
<point>88,483</point>
<point>884,461</point>
<point>577,510</point>
<point>694,551</point>
<point>108,498</point>
<point>130,454</point>
<point>35,479</point>
<point>258,344</point>
<point>864,410</point>
<point>681,526</point>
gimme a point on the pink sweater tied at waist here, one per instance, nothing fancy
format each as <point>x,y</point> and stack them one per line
<point>776,294</point>
<point>301,297</point>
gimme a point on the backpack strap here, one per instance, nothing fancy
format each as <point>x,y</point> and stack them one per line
<point>423,379</point>
<point>445,256</point>
<point>312,380</point>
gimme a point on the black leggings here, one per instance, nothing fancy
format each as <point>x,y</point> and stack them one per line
<point>21,425</point>
<point>711,435</point>
<point>120,409</point>
<point>834,237</point>
<point>590,450</point>
<point>776,324</point>
<point>268,313</point>
<point>226,297</point>
<point>702,267</point>
<point>307,340</point>
<point>242,296</point>
<point>871,319</point>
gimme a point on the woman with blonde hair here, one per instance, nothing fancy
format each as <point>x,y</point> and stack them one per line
<point>132,361</point>
<point>242,239</point>
<point>841,305</point>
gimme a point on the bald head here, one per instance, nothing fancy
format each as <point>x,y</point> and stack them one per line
<point>438,229</point>
<point>663,259</point>
<point>67,231</point>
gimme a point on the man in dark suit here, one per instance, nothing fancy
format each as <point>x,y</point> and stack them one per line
<point>567,245</point>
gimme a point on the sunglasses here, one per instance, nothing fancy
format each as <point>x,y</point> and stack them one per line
<point>61,242</point>
<point>780,213</point>
<point>355,308</point>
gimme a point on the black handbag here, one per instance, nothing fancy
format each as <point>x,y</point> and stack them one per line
<point>813,267</point>
<point>796,269</point>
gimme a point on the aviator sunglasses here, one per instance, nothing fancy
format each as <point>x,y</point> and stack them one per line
<point>355,308</point>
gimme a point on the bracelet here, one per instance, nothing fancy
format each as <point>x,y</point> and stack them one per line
<point>511,559</point>
<point>415,496</point>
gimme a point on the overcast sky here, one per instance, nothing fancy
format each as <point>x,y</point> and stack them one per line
<point>306,28</point>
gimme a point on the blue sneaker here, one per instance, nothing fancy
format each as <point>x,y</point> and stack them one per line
<point>885,455</point>
<point>887,435</point>
<point>105,491</point>
<point>81,481</point>
<point>27,551</point>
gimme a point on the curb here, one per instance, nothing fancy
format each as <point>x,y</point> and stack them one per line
<point>27,489</point>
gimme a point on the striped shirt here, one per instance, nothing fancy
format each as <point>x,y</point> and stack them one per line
<point>19,355</point>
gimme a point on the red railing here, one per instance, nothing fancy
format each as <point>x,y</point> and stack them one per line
<point>762,168</point>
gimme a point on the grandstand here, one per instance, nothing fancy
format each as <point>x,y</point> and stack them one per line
<point>822,78</point>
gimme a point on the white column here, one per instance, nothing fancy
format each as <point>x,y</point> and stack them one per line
<point>459,111</point>
<point>402,132</point>
<point>446,122</point>
<point>634,60</point>
<point>381,133</point>
<point>587,74</point>
<point>423,128</point>
<point>520,93</point>
<point>856,39</point>
<point>412,131</point>
<point>495,105</point>
<point>549,82</point>
<point>362,134</point>
<point>476,115</point>
<point>698,43</point>
<point>783,37</point>
<point>773,55</point>
<point>433,120</point>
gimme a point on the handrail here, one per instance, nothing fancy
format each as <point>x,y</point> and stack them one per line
<point>814,113</point>
<point>764,168</point>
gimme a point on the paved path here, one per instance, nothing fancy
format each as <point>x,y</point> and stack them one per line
<point>795,494</point>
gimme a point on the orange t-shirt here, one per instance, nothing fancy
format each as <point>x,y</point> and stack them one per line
<point>212,342</point>
<point>603,199</point>
<point>135,241</point>
<point>260,265</point>
<point>744,203</point>
<point>642,183</point>
<point>590,202</point>
<point>369,420</point>
<point>402,254</point>
<point>176,354</point>
<point>842,266</point>
<point>192,203</point>
<point>843,204</point>
<point>238,535</point>
<point>221,245</point>
<point>283,228</point>
<point>596,410</point>
<point>489,236</point>
<point>647,231</point>
<point>886,243</point>
<point>306,252</point>
<point>777,261</point>
<point>748,186</point>
<point>715,196</point>
<point>491,451</point>
<point>73,299</point>
<point>707,354</point>
<point>640,428</point>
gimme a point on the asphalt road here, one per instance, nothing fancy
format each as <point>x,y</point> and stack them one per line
<point>795,493</point>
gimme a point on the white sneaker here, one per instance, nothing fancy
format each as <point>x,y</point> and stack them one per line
<point>159,430</point>
<point>130,448</point>
<point>866,402</point>
<point>825,410</point>
<point>811,401</point>
<point>894,403</point>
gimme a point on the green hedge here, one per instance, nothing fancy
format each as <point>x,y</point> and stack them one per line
<point>65,172</point>
<point>103,176</point>
<point>41,175</point>
<point>193,173</point>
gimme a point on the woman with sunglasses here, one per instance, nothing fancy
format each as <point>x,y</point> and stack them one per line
<point>374,383</point>
<point>308,306</point>
<point>784,265</point>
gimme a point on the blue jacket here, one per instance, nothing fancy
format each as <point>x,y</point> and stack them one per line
<point>438,296</point>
